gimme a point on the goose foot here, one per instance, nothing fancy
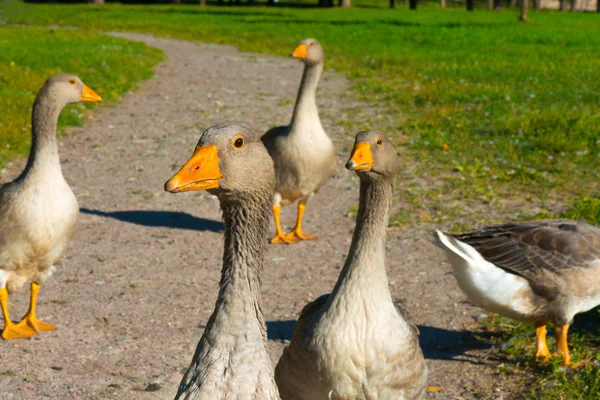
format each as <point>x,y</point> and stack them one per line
<point>561,332</point>
<point>32,324</point>
<point>542,346</point>
<point>12,331</point>
<point>30,321</point>
<point>581,364</point>
<point>299,235</point>
<point>280,238</point>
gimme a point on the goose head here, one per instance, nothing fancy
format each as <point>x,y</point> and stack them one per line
<point>373,156</point>
<point>66,89</point>
<point>310,51</point>
<point>229,161</point>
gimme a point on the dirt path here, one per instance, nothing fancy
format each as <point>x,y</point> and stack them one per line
<point>140,278</point>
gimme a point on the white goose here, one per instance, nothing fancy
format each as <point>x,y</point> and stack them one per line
<point>303,153</point>
<point>355,343</point>
<point>38,210</point>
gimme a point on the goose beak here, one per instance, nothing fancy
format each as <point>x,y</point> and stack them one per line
<point>300,52</point>
<point>89,95</point>
<point>361,158</point>
<point>201,172</point>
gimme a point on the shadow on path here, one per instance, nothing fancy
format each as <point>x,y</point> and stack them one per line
<point>437,343</point>
<point>169,219</point>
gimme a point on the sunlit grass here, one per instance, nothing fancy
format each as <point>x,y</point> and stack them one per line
<point>549,380</point>
<point>495,114</point>
<point>29,55</point>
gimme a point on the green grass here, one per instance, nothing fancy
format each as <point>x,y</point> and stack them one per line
<point>548,380</point>
<point>497,115</point>
<point>29,55</point>
<point>586,208</point>
<point>515,104</point>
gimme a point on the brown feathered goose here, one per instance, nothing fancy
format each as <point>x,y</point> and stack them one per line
<point>534,272</point>
<point>355,343</point>
<point>231,360</point>
<point>303,153</point>
<point>38,210</point>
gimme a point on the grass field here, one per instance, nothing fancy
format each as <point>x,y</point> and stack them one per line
<point>29,55</point>
<point>497,114</point>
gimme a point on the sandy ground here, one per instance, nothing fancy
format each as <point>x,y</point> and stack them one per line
<point>139,280</point>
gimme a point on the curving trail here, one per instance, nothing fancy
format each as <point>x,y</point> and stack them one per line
<point>140,277</point>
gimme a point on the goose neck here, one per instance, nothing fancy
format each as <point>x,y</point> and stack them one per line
<point>366,259</point>
<point>246,224</point>
<point>306,104</point>
<point>44,148</point>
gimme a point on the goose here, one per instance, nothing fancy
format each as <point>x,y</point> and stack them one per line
<point>38,210</point>
<point>302,152</point>
<point>231,359</point>
<point>355,343</point>
<point>533,272</point>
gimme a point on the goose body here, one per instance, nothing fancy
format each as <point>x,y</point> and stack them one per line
<point>534,272</point>
<point>355,343</point>
<point>38,216</point>
<point>231,360</point>
<point>38,210</point>
<point>302,152</point>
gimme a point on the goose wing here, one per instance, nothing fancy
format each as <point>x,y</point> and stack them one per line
<point>533,247</point>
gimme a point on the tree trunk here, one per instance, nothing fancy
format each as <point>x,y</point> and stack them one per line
<point>344,3</point>
<point>513,3</point>
<point>175,1</point>
<point>538,5</point>
<point>442,3</point>
<point>202,3</point>
<point>563,5</point>
<point>573,5</point>
<point>412,4</point>
<point>598,6</point>
<point>98,1</point>
<point>469,5</point>
<point>393,3</point>
<point>497,5</point>
<point>524,6</point>
<point>490,4</point>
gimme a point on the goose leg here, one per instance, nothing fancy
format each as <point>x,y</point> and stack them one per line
<point>11,331</point>
<point>30,321</point>
<point>297,233</point>
<point>542,345</point>
<point>561,342</point>
<point>280,238</point>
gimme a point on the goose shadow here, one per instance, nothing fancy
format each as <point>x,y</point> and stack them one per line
<point>168,219</point>
<point>436,343</point>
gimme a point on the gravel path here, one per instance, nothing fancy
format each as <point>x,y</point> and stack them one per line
<point>140,278</point>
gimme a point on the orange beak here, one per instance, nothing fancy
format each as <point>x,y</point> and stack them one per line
<point>201,172</point>
<point>89,95</point>
<point>361,158</point>
<point>301,51</point>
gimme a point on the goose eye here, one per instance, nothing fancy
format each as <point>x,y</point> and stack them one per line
<point>72,81</point>
<point>379,141</point>
<point>311,43</point>
<point>238,142</point>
